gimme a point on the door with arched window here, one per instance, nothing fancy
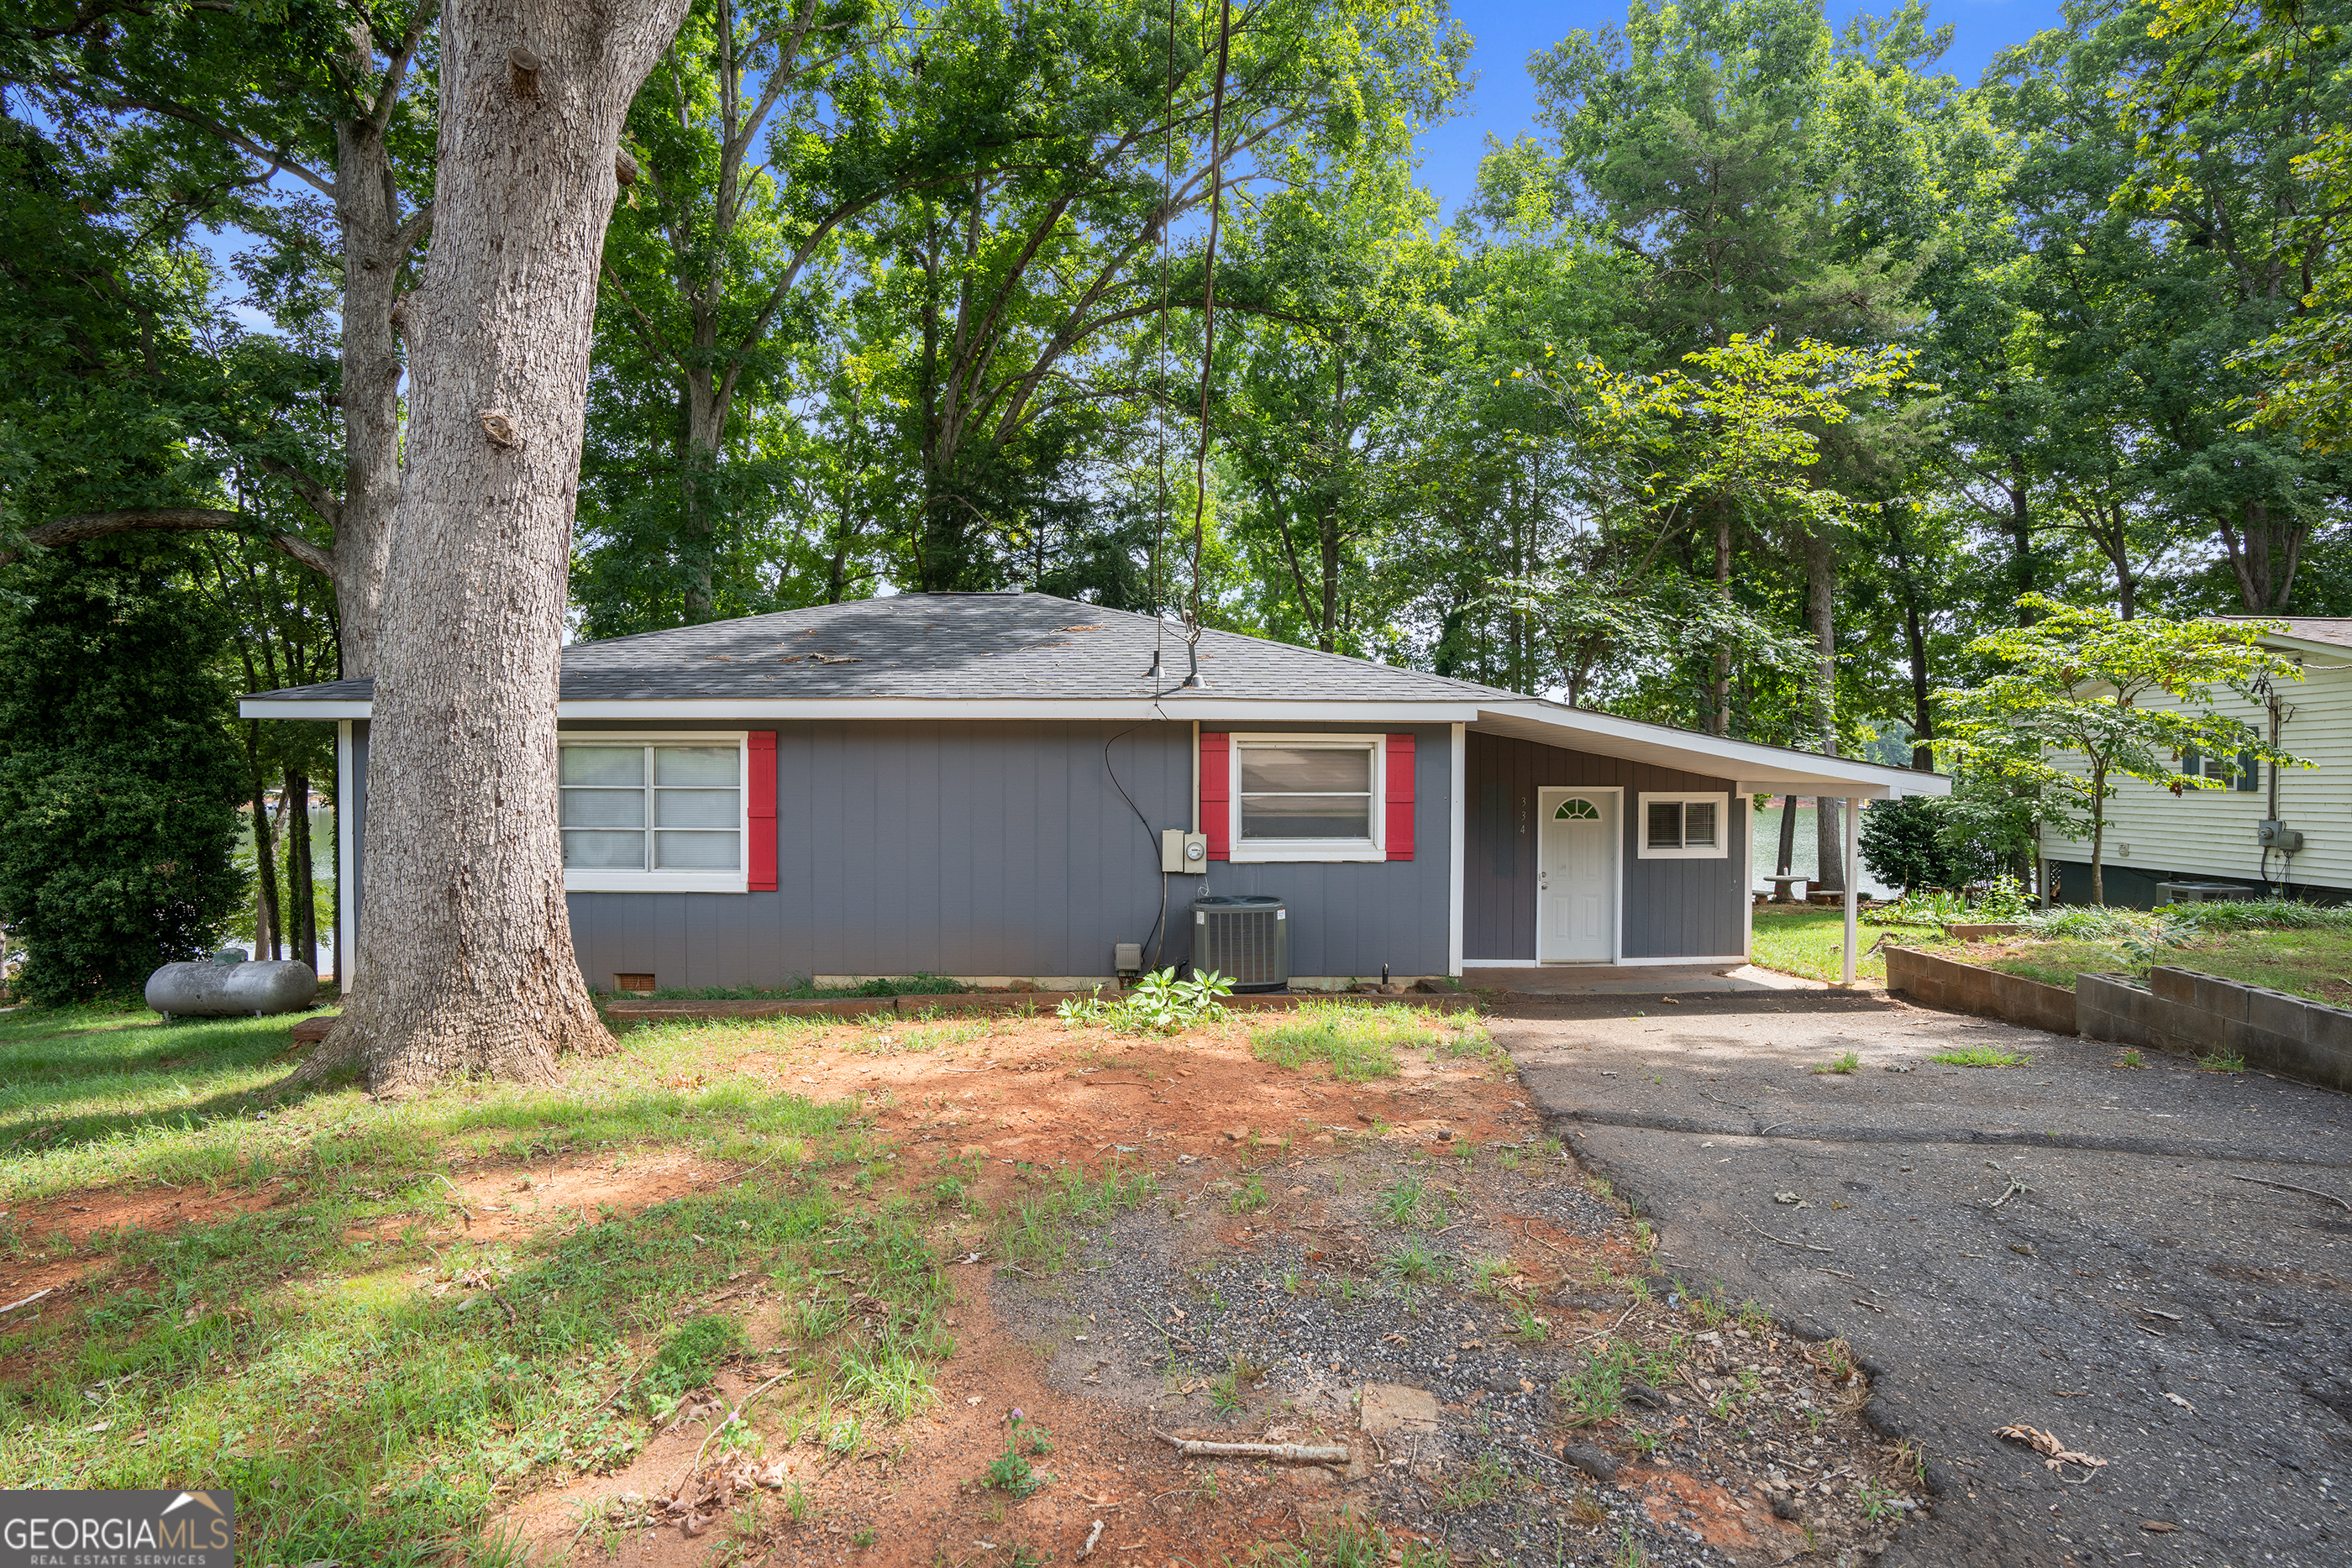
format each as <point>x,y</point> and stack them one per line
<point>1576,876</point>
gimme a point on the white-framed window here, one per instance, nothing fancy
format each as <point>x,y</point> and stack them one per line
<point>1683,827</point>
<point>1308,797</point>
<point>654,813</point>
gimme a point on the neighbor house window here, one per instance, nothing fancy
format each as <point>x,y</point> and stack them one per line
<point>1306,797</point>
<point>1686,827</point>
<point>655,814</point>
<point>2243,774</point>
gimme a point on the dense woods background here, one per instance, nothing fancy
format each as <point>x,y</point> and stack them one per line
<point>1769,368</point>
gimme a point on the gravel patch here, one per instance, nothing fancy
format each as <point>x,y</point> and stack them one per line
<point>1587,1406</point>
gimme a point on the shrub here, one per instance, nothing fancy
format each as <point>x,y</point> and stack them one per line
<point>119,772</point>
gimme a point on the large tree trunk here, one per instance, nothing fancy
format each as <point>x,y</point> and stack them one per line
<point>302,913</point>
<point>2264,548</point>
<point>1720,696</point>
<point>376,245</point>
<point>470,966</point>
<point>1821,601</point>
<point>265,876</point>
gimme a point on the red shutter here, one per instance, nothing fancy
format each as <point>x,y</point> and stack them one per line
<point>1400,774</point>
<point>761,811</point>
<point>1217,794</point>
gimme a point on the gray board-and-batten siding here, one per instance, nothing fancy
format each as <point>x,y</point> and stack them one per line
<point>983,847</point>
<point>1002,848</point>
<point>977,847</point>
<point>1672,908</point>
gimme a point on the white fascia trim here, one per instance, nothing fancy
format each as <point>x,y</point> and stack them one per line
<point>304,708</point>
<point>1702,958</point>
<point>1771,766</point>
<point>1203,710</point>
<point>1131,709</point>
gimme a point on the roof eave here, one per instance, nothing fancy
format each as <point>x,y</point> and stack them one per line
<point>1754,769</point>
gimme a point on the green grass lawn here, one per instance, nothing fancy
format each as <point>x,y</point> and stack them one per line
<point>2316,964</point>
<point>366,1374</point>
<point>1809,941</point>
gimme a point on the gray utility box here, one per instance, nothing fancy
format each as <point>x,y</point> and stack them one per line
<point>1245,938</point>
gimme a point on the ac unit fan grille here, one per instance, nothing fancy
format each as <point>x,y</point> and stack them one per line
<point>1246,945</point>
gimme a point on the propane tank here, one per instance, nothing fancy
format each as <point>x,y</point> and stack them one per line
<point>209,988</point>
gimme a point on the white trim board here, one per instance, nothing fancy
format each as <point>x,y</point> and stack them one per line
<point>347,882</point>
<point>1457,788</point>
<point>1618,962</point>
<point>1756,769</point>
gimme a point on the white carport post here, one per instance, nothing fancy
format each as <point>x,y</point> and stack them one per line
<point>1853,876</point>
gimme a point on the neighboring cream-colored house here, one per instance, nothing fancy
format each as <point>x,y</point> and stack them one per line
<point>2154,837</point>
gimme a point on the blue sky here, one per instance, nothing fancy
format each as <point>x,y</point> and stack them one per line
<point>1502,104</point>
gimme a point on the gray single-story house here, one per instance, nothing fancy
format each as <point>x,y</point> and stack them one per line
<point>993,786</point>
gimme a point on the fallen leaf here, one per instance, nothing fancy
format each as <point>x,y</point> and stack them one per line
<point>2054,1453</point>
<point>2157,1526</point>
<point>2182,1403</point>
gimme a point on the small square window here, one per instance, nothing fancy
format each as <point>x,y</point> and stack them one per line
<point>1683,827</point>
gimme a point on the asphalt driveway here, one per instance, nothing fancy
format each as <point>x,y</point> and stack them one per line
<point>2067,1245</point>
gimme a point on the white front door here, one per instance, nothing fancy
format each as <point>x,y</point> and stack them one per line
<point>1576,877</point>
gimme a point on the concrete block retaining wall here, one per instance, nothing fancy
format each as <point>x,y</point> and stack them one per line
<point>2182,1012</point>
<point>1958,987</point>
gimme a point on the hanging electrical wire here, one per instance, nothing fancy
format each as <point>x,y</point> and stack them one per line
<point>1208,334</point>
<point>1159,404</point>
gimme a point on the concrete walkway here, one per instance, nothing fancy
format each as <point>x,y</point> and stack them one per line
<point>2073,1244</point>
<point>1630,979</point>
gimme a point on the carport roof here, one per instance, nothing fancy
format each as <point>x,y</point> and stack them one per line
<point>1032,656</point>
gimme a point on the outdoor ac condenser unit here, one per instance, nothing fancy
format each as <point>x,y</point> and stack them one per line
<point>1244,937</point>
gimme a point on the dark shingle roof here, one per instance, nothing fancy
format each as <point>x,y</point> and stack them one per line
<point>981,645</point>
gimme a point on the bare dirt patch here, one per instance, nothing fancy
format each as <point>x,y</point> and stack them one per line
<point>1255,1298</point>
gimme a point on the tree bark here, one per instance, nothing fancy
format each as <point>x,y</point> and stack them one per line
<point>469,965</point>
<point>265,876</point>
<point>2098,837</point>
<point>302,913</point>
<point>1788,842</point>
<point>1821,599</point>
<point>1720,697</point>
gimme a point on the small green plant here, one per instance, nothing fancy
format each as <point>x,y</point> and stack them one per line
<point>2131,1057</point>
<point>1010,1472</point>
<point>1225,1393</point>
<point>1850,1062</point>
<point>1159,1003</point>
<point>1400,1202</point>
<point>1482,1483</point>
<point>1413,1261</point>
<point>1487,1276</point>
<point>1877,1504</point>
<point>798,1505</point>
<point>1250,1198</point>
<point>2221,1062</point>
<point>1531,1329</point>
<point>1595,1389</point>
<point>1978,1056</point>
<point>863,1538</point>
